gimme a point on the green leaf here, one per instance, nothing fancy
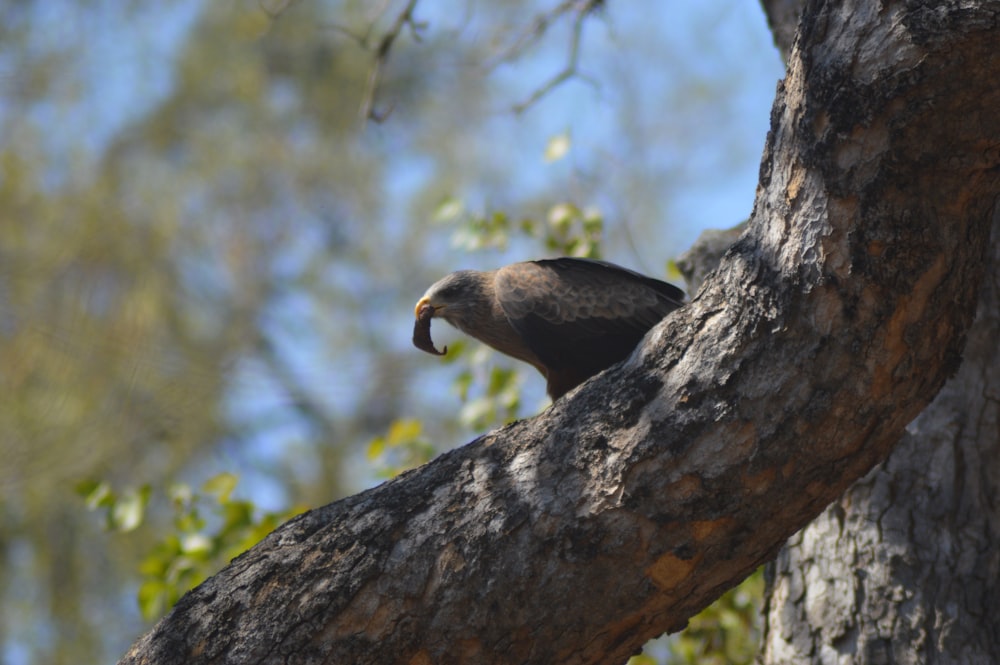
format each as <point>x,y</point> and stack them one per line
<point>189,522</point>
<point>221,485</point>
<point>642,659</point>
<point>130,510</point>
<point>403,431</point>
<point>561,216</point>
<point>376,448</point>
<point>196,543</point>
<point>153,597</point>
<point>96,494</point>
<point>180,493</point>
<point>673,271</point>
<point>455,351</point>
<point>449,210</point>
<point>237,515</point>
<point>557,147</point>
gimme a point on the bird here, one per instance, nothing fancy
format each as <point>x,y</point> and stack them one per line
<point>570,318</point>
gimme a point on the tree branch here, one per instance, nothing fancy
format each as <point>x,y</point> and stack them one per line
<point>581,9</point>
<point>637,499</point>
<point>783,18</point>
<point>381,58</point>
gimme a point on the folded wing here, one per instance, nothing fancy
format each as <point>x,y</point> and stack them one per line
<point>580,316</point>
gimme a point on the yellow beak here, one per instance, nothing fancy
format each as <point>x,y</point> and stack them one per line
<point>423,304</point>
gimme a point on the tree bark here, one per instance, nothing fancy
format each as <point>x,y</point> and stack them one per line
<point>903,568</point>
<point>633,502</point>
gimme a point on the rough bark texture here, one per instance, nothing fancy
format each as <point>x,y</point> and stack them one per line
<point>706,254</point>
<point>633,502</point>
<point>905,567</point>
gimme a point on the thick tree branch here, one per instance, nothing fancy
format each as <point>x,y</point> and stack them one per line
<point>706,253</point>
<point>902,568</point>
<point>783,18</point>
<point>637,499</point>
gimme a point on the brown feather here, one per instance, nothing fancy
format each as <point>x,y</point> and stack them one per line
<point>570,318</point>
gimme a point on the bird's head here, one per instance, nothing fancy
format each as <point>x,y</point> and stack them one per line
<point>455,299</point>
<point>452,298</point>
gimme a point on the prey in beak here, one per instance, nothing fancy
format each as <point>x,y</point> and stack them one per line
<point>424,312</point>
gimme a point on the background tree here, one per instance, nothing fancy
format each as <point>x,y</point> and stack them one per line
<point>903,567</point>
<point>683,469</point>
<point>201,243</point>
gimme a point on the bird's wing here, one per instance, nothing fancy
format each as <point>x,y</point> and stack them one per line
<point>582,314</point>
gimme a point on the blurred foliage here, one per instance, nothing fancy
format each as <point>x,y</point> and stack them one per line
<point>728,632</point>
<point>123,512</point>
<point>566,229</point>
<point>208,264</point>
<point>403,447</point>
<point>499,401</point>
<point>209,529</point>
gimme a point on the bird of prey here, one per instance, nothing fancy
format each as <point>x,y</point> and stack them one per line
<point>570,318</point>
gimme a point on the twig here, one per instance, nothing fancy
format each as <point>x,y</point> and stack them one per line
<point>275,13</point>
<point>382,51</point>
<point>533,33</point>
<point>571,69</point>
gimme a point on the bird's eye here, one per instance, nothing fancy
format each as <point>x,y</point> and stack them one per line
<point>449,292</point>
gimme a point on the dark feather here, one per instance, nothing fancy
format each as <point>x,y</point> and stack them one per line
<point>580,316</point>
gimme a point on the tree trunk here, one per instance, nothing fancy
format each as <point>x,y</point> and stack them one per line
<point>637,499</point>
<point>903,568</point>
